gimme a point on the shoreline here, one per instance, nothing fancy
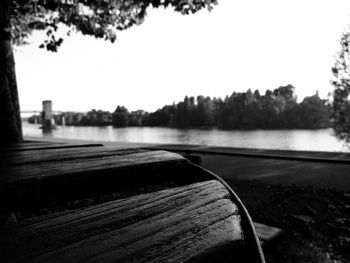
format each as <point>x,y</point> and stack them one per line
<point>322,170</point>
<point>314,140</point>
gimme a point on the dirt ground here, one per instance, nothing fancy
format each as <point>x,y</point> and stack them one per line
<point>315,223</point>
<point>309,201</point>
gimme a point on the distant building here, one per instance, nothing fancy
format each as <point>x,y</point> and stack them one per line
<point>91,118</point>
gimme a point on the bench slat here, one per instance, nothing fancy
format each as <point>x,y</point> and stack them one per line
<point>26,146</point>
<point>187,223</point>
<point>59,154</point>
<point>41,171</point>
<point>40,183</point>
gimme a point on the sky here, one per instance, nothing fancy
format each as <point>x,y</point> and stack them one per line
<point>239,45</point>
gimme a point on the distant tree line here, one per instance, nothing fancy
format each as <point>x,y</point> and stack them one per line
<point>91,118</point>
<point>277,109</point>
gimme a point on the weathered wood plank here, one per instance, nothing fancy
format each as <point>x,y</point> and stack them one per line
<point>40,171</point>
<point>40,183</point>
<point>266,233</point>
<point>42,145</point>
<point>59,154</point>
<point>26,144</point>
<point>182,224</point>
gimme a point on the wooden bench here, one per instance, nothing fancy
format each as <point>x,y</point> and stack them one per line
<point>186,223</point>
<point>38,145</point>
<point>39,183</point>
<point>200,220</point>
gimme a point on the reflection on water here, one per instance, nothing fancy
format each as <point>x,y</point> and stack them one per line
<point>312,140</point>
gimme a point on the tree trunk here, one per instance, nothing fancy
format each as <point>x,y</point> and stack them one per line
<point>10,119</point>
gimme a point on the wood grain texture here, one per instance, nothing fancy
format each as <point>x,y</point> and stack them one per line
<point>38,184</point>
<point>28,146</point>
<point>59,154</point>
<point>186,224</point>
<point>40,171</point>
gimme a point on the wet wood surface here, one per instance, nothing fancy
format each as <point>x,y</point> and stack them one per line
<point>193,223</point>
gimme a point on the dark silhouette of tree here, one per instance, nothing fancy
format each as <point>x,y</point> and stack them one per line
<point>182,114</point>
<point>218,112</point>
<point>314,112</point>
<point>120,117</point>
<point>204,113</point>
<point>99,18</point>
<point>161,117</point>
<point>277,109</point>
<point>341,83</point>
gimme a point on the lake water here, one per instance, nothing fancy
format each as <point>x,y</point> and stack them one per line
<point>309,140</point>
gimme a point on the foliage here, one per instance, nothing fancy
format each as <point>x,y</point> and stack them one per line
<point>120,117</point>
<point>276,109</point>
<point>341,103</point>
<point>98,18</point>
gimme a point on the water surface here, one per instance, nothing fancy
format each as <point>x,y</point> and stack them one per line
<point>310,140</point>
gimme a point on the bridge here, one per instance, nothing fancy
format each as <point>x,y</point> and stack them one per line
<point>47,115</point>
<point>38,112</point>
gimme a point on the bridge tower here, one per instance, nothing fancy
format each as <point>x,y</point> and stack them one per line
<point>47,115</point>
